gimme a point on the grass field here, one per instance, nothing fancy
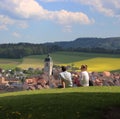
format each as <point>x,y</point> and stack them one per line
<point>95,62</point>
<point>69,103</point>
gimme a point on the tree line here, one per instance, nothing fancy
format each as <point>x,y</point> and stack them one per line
<point>21,50</point>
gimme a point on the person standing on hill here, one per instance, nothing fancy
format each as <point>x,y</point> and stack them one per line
<point>84,76</point>
<point>65,77</point>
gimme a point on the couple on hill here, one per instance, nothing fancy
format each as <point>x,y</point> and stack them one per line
<point>66,77</point>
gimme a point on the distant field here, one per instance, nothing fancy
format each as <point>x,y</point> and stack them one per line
<point>95,62</point>
<point>9,63</point>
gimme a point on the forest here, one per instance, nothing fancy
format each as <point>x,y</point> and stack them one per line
<point>92,45</point>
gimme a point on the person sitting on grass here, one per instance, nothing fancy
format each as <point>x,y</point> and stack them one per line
<point>66,78</point>
<point>84,76</point>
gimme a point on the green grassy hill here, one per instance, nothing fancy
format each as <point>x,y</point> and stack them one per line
<point>95,62</point>
<point>69,103</point>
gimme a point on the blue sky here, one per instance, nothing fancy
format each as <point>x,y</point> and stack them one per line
<point>41,21</point>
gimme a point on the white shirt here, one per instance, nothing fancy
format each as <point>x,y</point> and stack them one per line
<point>66,76</point>
<point>84,79</point>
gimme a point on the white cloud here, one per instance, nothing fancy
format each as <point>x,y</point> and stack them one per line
<point>6,20</point>
<point>67,28</point>
<point>54,1</point>
<point>3,27</point>
<point>50,0</point>
<point>108,7</point>
<point>16,34</point>
<point>22,24</point>
<point>22,8</point>
<point>31,9</point>
<point>116,3</point>
<point>65,17</point>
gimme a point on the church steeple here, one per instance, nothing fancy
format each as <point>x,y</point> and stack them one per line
<point>48,65</point>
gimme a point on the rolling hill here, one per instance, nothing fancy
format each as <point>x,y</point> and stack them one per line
<point>107,43</point>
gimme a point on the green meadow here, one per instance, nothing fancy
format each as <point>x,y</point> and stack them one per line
<point>69,103</point>
<point>95,62</point>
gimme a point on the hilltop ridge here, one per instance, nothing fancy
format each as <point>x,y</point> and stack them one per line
<point>94,45</point>
<point>107,43</point>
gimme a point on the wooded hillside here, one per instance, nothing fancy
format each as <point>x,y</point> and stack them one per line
<point>97,45</point>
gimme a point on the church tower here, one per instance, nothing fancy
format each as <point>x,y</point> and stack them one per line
<point>48,65</point>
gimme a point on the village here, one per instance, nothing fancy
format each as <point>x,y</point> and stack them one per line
<point>30,79</point>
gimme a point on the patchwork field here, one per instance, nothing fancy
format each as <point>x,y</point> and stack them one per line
<point>95,62</point>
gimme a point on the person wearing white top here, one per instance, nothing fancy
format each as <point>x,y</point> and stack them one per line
<point>84,78</point>
<point>66,78</point>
